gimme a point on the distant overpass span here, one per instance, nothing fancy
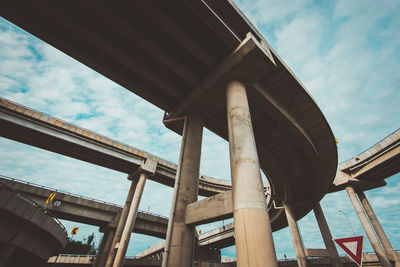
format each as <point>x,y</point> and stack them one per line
<point>86,210</point>
<point>34,128</point>
<point>370,168</point>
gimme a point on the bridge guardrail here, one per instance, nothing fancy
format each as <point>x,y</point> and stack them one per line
<point>75,195</point>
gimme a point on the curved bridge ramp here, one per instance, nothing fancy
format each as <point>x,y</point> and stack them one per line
<point>28,234</point>
<point>179,56</point>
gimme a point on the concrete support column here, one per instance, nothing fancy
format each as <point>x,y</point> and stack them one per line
<point>378,228</point>
<point>130,222</point>
<point>179,246</point>
<point>327,236</point>
<point>253,233</point>
<point>368,228</point>
<point>100,251</point>
<point>105,247</point>
<point>296,238</point>
<point>121,224</point>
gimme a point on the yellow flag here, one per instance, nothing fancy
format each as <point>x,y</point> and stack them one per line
<point>336,140</point>
<point>50,198</point>
<point>74,230</point>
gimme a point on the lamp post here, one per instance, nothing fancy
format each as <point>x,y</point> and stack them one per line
<point>351,227</point>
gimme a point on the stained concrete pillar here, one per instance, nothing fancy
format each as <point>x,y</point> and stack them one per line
<point>327,236</point>
<point>378,228</point>
<point>296,237</point>
<point>368,228</point>
<point>105,246</point>
<point>121,224</point>
<point>253,233</point>
<point>130,222</point>
<point>179,245</point>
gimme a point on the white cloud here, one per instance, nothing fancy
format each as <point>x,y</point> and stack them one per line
<point>345,52</point>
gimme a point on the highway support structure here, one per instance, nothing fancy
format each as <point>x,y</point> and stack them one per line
<point>327,236</point>
<point>180,242</point>
<point>372,228</point>
<point>301,252</point>
<point>296,237</point>
<point>116,241</point>
<point>253,233</point>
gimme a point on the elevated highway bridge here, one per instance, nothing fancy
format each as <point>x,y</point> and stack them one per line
<point>205,65</point>
<point>86,210</point>
<point>32,127</point>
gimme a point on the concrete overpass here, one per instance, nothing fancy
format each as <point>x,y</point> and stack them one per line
<point>205,62</point>
<point>366,171</point>
<point>370,168</point>
<point>86,210</point>
<point>28,234</point>
<point>34,128</point>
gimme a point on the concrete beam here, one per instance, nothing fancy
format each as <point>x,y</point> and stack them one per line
<point>211,209</point>
<point>249,51</point>
<point>316,252</point>
<point>31,127</point>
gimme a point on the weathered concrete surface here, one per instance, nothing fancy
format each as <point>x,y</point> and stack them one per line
<point>373,239</point>
<point>29,126</point>
<point>88,211</point>
<point>27,229</point>
<point>171,51</point>
<point>296,237</point>
<point>180,242</point>
<point>371,167</point>
<point>326,236</point>
<point>253,233</point>
<point>210,209</point>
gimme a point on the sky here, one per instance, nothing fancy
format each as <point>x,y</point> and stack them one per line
<point>346,53</point>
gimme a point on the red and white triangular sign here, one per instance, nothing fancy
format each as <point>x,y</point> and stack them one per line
<point>353,246</point>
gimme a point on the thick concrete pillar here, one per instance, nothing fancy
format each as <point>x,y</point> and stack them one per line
<point>327,236</point>
<point>378,228</point>
<point>296,238</point>
<point>121,224</point>
<point>253,233</point>
<point>368,228</point>
<point>179,246</point>
<point>105,246</point>
<point>130,222</point>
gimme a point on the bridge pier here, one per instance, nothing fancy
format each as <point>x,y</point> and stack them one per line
<point>130,221</point>
<point>378,229</point>
<point>105,246</point>
<point>368,228</point>
<point>180,242</point>
<point>296,238</point>
<point>327,236</point>
<point>253,233</point>
<point>121,224</point>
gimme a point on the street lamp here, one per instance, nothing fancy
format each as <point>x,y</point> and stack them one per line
<point>348,221</point>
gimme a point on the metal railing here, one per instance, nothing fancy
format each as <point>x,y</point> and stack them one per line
<point>75,195</point>
<point>34,204</point>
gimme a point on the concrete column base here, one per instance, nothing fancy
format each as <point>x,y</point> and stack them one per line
<point>179,246</point>
<point>368,228</point>
<point>253,233</point>
<point>296,238</point>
